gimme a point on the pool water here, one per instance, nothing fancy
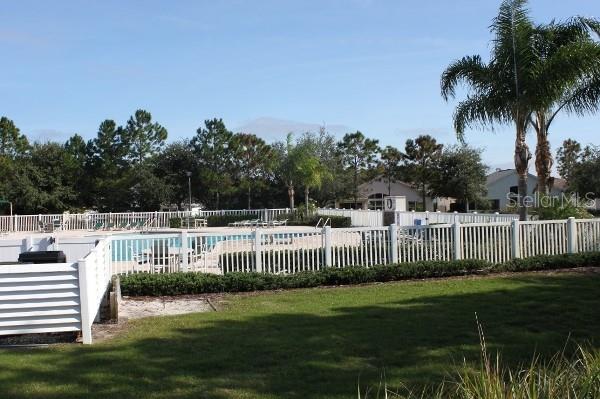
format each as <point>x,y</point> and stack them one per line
<point>125,248</point>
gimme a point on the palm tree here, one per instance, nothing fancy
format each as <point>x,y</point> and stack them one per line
<point>568,76</point>
<point>310,172</point>
<point>501,89</point>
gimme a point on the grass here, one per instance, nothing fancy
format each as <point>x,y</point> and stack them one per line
<point>318,343</point>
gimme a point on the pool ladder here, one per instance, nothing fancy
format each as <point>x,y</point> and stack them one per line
<point>327,221</point>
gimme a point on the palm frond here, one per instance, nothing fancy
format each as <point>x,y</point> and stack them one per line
<point>584,98</point>
<point>479,111</point>
<point>469,70</point>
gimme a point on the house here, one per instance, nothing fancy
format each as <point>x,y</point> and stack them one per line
<point>372,193</point>
<point>502,185</point>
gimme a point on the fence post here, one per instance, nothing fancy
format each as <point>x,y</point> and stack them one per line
<point>571,235</point>
<point>457,240</point>
<point>185,252</point>
<point>327,245</point>
<point>393,243</point>
<point>84,301</point>
<point>258,250</point>
<point>516,239</point>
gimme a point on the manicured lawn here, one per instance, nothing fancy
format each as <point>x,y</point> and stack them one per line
<point>317,343</point>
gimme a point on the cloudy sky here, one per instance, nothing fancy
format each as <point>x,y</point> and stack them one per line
<point>266,67</point>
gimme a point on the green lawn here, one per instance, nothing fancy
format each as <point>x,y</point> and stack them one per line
<point>317,343</point>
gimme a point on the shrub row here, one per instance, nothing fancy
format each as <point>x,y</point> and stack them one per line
<point>224,220</point>
<point>200,283</point>
<point>336,221</point>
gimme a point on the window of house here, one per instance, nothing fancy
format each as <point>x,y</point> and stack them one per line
<point>415,206</point>
<point>376,201</point>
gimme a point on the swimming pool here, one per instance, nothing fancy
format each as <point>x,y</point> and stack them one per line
<point>130,247</point>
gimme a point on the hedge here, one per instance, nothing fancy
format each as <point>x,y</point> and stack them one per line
<point>336,221</point>
<point>201,283</point>
<point>224,220</point>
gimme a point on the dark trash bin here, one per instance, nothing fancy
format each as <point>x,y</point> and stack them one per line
<point>43,257</point>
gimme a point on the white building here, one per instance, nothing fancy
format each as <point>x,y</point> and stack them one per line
<point>372,193</point>
<point>503,184</point>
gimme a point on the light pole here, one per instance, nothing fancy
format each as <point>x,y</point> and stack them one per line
<point>189,176</point>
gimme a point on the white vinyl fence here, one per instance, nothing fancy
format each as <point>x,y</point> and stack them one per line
<point>411,218</point>
<point>359,217</point>
<point>289,251</point>
<point>67,297</point>
<point>129,220</point>
<point>55,297</point>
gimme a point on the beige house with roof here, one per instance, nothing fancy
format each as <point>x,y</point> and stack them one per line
<point>372,193</point>
<point>503,184</point>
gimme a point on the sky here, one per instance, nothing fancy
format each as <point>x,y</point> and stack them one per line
<point>265,67</point>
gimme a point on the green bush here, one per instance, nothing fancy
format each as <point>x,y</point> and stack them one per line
<point>224,220</point>
<point>175,223</point>
<point>558,211</point>
<point>336,221</point>
<point>549,262</point>
<point>201,283</point>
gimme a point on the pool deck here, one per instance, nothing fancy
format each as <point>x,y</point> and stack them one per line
<point>104,233</point>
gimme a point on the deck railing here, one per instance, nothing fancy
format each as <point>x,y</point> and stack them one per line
<point>130,220</point>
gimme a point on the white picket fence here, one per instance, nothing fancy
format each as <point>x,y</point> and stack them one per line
<point>358,217</point>
<point>373,218</point>
<point>290,251</point>
<point>411,218</point>
<point>67,297</point>
<point>132,220</point>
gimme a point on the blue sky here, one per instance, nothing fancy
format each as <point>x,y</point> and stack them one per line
<point>267,67</point>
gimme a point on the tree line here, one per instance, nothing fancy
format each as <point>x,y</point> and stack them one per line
<point>131,167</point>
<point>580,167</point>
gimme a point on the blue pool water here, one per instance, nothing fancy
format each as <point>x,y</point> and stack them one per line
<point>124,248</point>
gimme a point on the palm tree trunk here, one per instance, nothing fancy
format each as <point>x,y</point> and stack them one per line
<point>522,157</point>
<point>291,194</point>
<point>543,156</point>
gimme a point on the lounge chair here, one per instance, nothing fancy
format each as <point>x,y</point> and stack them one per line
<point>123,225</point>
<point>280,222</point>
<point>200,223</point>
<point>137,224</point>
<point>98,226</point>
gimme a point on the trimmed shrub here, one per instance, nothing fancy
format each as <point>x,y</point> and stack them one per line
<point>336,221</point>
<point>224,220</point>
<point>549,262</point>
<point>201,283</point>
<point>175,223</point>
